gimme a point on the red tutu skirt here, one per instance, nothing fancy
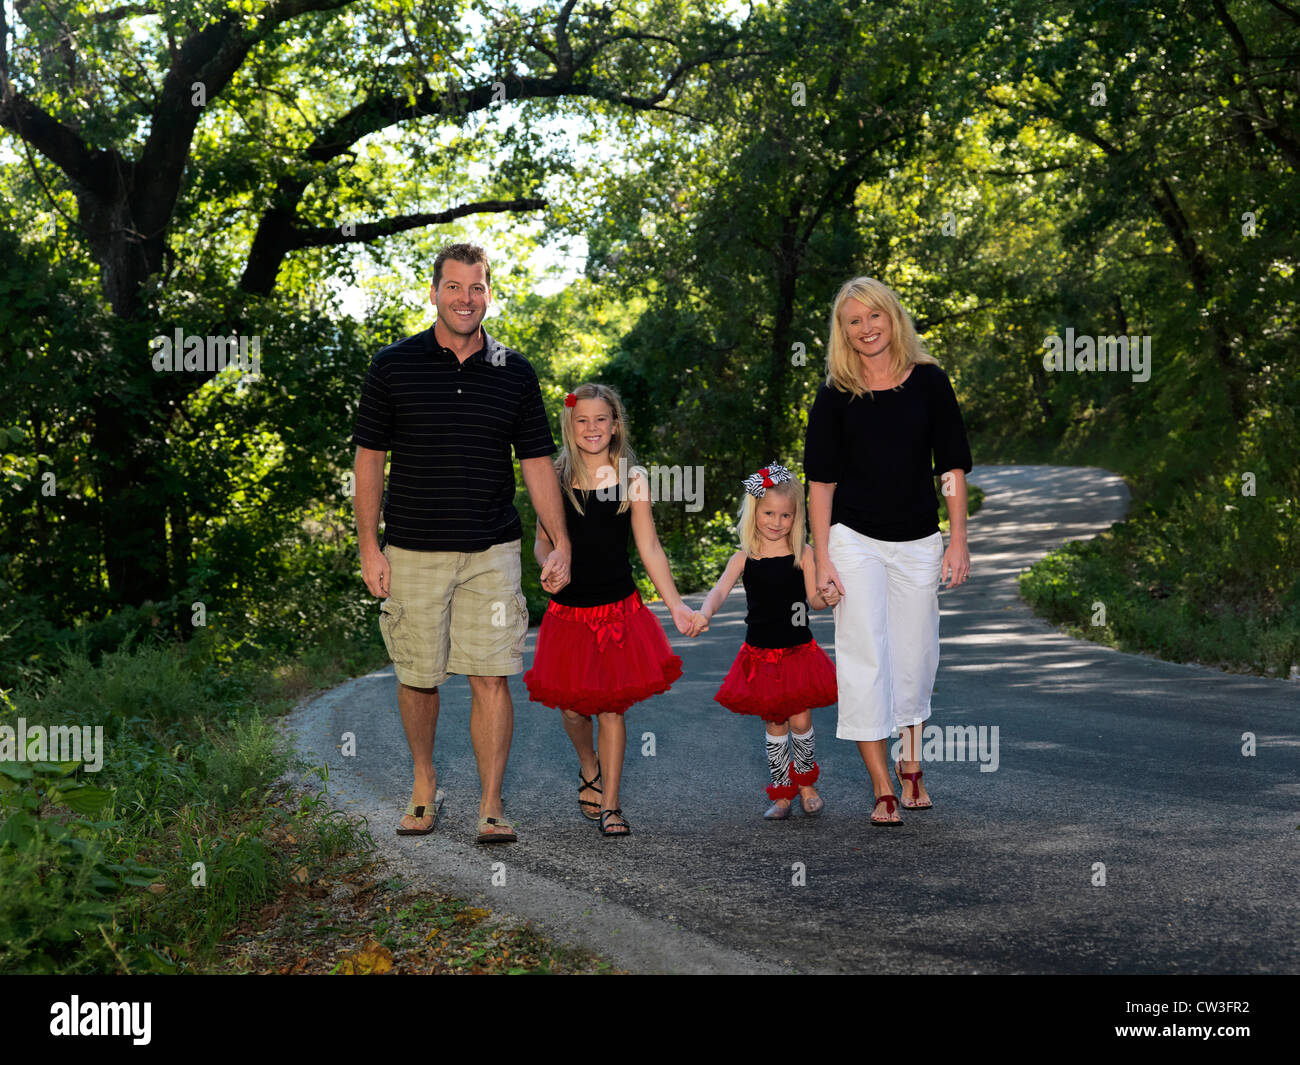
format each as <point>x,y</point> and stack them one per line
<point>600,659</point>
<point>775,683</point>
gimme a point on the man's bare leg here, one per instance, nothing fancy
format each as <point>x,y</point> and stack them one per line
<point>491,727</point>
<point>419,710</point>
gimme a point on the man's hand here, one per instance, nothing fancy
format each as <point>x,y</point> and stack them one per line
<point>555,574</point>
<point>376,572</point>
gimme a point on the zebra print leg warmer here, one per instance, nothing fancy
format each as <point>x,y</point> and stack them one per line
<point>778,762</point>
<point>805,770</point>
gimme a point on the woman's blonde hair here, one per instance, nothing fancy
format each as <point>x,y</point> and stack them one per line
<point>843,364</point>
<point>568,463</point>
<point>747,524</point>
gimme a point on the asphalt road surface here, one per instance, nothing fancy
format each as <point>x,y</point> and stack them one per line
<point>1123,829</point>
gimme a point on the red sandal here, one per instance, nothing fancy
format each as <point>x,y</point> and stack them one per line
<point>915,778</point>
<point>891,804</point>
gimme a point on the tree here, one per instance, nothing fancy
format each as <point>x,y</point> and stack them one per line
<point>743,223</point>
<point>189,145</point>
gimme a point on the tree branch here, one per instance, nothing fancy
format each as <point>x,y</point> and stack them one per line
<point>211,56</point>
<point>60,144</point>
<point>366,232</point>
<point>124,11</point>
<point>1291,13</point>
<point>1267,124</point>
<point>1032,170</point>
<point>564,49</point>
<point>922,324</point>
<point>276,229</point>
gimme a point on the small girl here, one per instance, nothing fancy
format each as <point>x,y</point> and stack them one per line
<point>780,673</point>
<point>599,650</point>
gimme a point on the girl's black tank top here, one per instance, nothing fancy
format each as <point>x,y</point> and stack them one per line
<point>778,603</point>
<point>600,571</point>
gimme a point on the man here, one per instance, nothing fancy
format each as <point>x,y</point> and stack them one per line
<point>448,404</point>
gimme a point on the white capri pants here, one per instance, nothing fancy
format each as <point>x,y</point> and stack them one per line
<point>886,631</point>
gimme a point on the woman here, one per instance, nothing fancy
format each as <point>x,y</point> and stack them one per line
<point>886,408</point>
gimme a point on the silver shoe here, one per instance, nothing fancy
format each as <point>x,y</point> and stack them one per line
<point>812,809</point>
<point>778,813</point>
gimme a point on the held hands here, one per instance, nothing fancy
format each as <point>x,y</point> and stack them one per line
<point>689,622</point>
<point>376,572</point>
<point>684,619</point>
<point>828,583</point>
<point>555,574</point>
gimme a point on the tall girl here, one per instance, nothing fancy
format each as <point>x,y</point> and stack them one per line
<point>780,673</point>
<point>599,650</point>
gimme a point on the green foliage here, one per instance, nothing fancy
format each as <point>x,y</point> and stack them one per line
<point>98,867</point>
<point>57,897</point>
<point>1207,585</point>
<point>725,175</point>
<point>61,885</point>
<point>699,551</point>
<point>243,764</point>
<point>150,685</point>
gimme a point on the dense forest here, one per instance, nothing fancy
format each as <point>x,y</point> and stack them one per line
<point>1014,170</point>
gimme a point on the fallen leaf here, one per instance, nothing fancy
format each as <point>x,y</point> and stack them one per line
<point>373,958</point>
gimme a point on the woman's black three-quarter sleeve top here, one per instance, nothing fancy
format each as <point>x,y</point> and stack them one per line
<point>599,570</point>
<point>876,449</point>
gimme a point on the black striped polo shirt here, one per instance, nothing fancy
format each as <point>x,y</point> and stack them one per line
<point>450,426</point>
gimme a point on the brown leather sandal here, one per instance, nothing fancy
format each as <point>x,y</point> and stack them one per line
<point>420,813</point>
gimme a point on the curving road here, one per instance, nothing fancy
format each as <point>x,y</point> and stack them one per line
<point>1104,759</point>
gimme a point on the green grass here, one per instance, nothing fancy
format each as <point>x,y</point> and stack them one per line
<point>146,864</point>
<point>199,826</point>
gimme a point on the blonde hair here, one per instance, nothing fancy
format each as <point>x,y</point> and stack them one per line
<point>568,463</point>
<point>843,364</point>
<point>747,524</point>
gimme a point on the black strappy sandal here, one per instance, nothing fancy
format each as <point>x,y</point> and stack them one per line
<point>583,786</point>
<point>604,828</point>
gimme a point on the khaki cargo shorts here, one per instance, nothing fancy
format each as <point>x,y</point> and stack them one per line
<point>454,612</point>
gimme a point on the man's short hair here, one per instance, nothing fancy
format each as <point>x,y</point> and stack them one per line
<point>469,254</point>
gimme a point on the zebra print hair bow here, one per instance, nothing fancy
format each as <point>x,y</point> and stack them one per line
<point>757,484</point>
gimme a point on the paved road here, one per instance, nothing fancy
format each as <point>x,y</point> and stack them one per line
<point>1103,758</point>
